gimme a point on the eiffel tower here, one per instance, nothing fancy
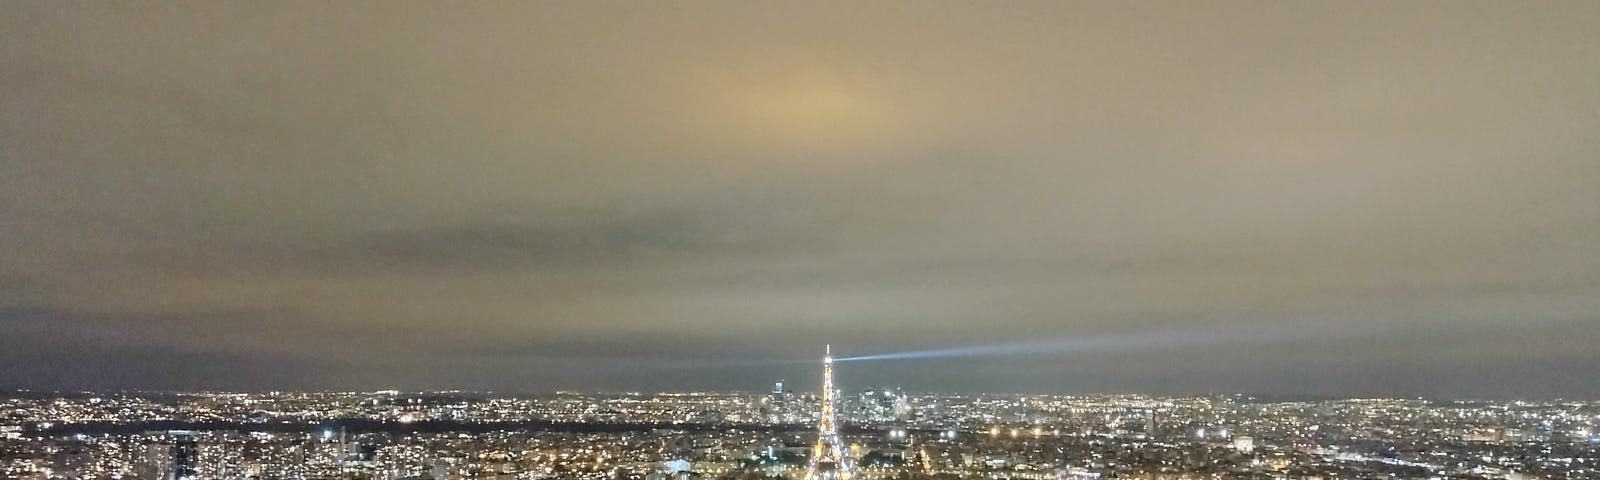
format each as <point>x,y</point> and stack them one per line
<point>828,461</point>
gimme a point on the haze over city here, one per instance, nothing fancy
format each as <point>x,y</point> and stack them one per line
<point>1289,198</point>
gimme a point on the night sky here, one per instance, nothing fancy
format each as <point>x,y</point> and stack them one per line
<point>1304,198</point>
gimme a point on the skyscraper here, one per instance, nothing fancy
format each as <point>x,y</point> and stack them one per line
<point>185,453</point>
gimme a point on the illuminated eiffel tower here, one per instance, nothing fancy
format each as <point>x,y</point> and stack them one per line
<point>827,457</point>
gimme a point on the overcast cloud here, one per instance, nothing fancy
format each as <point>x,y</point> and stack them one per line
<point>530,196</point>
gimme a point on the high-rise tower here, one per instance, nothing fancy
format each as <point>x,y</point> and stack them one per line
<point>828,461</point>
<point>185,453</point>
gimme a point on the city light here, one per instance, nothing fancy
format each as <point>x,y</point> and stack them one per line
<point>637,435</point>
<point>601,240</point>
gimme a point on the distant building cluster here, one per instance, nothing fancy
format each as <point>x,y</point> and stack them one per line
<point>886,434</point>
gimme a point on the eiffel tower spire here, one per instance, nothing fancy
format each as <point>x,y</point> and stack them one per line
<point>828,461</point>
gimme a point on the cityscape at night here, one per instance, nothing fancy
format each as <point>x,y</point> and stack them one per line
<point>832,433</point>
<point>800,240</point>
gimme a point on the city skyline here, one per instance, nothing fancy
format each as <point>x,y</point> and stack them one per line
<point>871,435</point>
<point>1337,199</point>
